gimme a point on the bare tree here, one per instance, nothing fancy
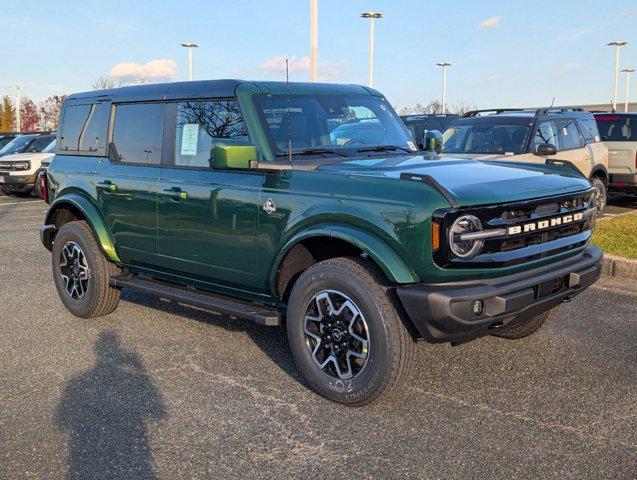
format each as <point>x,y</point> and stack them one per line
<point>104,82</point>
<point>461,107</point>
<point>433,106</point>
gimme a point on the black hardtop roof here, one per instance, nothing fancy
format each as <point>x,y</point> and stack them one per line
<point>550,112</point>
<point>428,116</point>
<point>210,88</point>
<point>522,115</point>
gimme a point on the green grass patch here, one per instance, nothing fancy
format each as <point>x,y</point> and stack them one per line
<point>617,235</point>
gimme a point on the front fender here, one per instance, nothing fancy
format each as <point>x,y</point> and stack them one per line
<point>92,216</point>
<point>385,257</point>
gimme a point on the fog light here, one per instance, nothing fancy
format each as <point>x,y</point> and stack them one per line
<point>477,307</point>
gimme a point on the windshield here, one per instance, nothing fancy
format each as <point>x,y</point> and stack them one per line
<point>617,128</point>
<point>17,143</point>
<point>50,148</point>
<point>339,123</point>
<point>507,139</point>
<point>38,145</point>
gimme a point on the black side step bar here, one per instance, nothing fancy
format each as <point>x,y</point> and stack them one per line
<point>261,314</point>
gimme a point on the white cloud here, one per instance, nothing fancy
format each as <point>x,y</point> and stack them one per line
<point>566,68</point>
<point>153,71</point>
<point>277,64</point>
<point>609,21</point>
<point>328,70</point>
<point>490,78</point>
<point>489,23</point>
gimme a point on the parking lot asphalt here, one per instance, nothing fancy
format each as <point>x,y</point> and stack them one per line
<point>157,390</point>
<point>620,204</point>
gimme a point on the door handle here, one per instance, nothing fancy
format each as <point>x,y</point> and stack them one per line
<point>175,193</point>
<point>106,185</point>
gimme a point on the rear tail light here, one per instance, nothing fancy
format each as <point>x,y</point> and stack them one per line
<point>45,194</point>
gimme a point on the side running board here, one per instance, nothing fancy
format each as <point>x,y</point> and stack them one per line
<point>261,314</point>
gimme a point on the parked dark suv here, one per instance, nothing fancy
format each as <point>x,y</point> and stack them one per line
<point>307,205</point>
<point>420,124</point>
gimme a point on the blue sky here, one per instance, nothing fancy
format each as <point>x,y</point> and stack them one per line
<point>532,52</point>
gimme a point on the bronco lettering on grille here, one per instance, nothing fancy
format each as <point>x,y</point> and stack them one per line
<point>542,224</point>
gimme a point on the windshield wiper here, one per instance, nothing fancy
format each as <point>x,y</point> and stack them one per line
<point>384,148</point>
<point>314,151</point>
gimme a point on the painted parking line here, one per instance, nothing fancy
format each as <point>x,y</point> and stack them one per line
<point>26,202</point>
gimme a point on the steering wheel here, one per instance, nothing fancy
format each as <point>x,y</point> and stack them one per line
<point>353,141</point>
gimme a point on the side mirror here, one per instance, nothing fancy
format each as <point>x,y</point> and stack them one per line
<point>544,149</point>
<point>232,154</point>
<point>432,141</point>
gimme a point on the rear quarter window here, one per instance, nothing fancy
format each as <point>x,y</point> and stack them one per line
<point>84,129</point>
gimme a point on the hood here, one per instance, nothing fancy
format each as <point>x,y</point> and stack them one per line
<point>473,182</point>
<point>21,157</point>
<point>481,156</point>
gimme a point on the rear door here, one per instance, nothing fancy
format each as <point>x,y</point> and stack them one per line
<point>573,147</point>
<point>619,132</point>
<point>126,181</point>
<point>207,218</point>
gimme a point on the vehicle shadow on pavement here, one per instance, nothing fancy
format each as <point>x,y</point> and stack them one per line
<point>107,409</point>
<point>271,340</point>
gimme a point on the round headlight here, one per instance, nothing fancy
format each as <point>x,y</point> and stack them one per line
<point>465,248</point>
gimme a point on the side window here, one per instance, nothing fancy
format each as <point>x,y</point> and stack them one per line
<point>39,144</point>
<point>199,124</point>
<point>571,137</point>
<point>138,131</point>
<point>93,137</point>
<point>84,128</point>
<point>547,133</point>
<point>75,117</point>
<point>589,129</point>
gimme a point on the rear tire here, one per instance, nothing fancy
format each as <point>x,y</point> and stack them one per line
<point>528,327</point>
<point>342,302</point>
<point>81,272</point>
<point>598,183</point>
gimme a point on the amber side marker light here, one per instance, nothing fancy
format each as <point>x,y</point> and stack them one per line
<point>435,235</point>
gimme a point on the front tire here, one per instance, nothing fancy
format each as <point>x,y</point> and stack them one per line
<point>598,183</point>
<point>346,334</point>
<point>528,327</point>
<point>81,272</point>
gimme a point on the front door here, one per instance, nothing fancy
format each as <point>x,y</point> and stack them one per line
<point>126,182</point>
<point>207,219</point>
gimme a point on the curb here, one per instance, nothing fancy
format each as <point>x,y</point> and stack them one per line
<point>620,267</point>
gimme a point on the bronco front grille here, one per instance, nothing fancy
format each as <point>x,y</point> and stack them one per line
<point>9,167</point>
<point>531,230</point>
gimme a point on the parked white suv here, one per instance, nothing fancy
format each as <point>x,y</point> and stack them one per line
<point>619,132</point>
<point>18,172</point>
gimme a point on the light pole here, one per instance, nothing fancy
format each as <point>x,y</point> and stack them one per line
<point>444,66</point>
<point>616,45</point>
<point>18,120</point>
<point>189,46</point>
<point>371,16</point>
<point>627,71</point>
<point>313,39</point>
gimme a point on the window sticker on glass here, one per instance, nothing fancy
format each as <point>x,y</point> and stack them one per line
<point>189,138</point>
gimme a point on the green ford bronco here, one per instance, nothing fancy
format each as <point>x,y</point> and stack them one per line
<point>308,205</point>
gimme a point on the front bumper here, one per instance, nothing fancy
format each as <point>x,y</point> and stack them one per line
<point>444,312</point>
<point>17,181</point>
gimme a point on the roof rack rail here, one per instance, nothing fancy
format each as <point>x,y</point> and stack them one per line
<point>544,111</point>
<point>536,111</point>
<point>476,113</point>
